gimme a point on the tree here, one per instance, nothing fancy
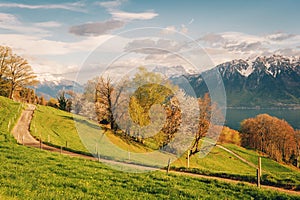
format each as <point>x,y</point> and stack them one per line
<point>53,103</point>
<point>270,135</point>
<point>26,95</point>
<point>5,54</point>
<point>103,102</point>
<point>19,74</point>
<point>297,153</point>
<point>64,103</point>
<point>229,135</point>
<point>42,101</point>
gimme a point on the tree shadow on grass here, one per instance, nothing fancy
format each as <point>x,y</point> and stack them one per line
<point>83,121</point>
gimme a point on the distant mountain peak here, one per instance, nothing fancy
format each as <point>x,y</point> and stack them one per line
<point>44,78</point>
<point>261,81</point>
<point>170,71</point>
<point>272,65</point>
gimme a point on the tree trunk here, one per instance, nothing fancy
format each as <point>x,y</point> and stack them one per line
<point>11,92</point>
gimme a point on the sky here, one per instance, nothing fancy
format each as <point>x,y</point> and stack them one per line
<point>78,39</point>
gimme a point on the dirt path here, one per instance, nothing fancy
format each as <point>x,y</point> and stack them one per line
<point>237,156</point>
<point>23,136</point>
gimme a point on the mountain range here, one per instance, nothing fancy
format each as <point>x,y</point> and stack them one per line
<point>265,81</point>
<point>51,88</point>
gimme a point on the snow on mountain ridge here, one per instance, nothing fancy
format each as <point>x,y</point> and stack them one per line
<point>44,78</point>
<point>272,65</point>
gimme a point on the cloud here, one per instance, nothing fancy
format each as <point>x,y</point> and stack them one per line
<point>11,23</point>
<point>77,6</point>
<point>49,24</point>
<point>280,36</point>
<point>172,29</point>
<point>168,30</point>
<point>287,52</point>
<point>184,29</point>
<point>149,46</point>
<point>235,45</point>
<point>212,38</point>
<point>96,28</point>
<point>6,18</point>
<point>113,8</point>
<point>191,21</point>
<point>110,4</point>
<point>244,46</point>
<point>121,15</point>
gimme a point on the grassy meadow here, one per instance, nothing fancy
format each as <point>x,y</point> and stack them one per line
<point>29,173</point>
<point>60,126</point>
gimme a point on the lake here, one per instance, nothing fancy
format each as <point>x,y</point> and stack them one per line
<point>235,116</point>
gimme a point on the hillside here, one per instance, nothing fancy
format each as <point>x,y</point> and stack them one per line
<point>29,173</point>
<point>60,127</point>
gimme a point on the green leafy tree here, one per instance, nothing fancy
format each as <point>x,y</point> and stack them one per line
<point>64,103</point>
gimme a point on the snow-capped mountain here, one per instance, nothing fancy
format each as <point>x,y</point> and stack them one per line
<point>272,65</point>
<point>263,81</point>
<point>51,87</point>
<point>173,71</point>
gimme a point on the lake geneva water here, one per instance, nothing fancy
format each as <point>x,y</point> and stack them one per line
<point>235,116</point>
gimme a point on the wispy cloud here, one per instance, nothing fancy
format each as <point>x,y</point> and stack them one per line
<point>11,22</point>
<point>150,46</point>
<point>110,4</point>
<point>121,15</point>
<point>77,6</point>
<point>173,29</point>
<point>113,7</point>
<point>233,45</point>
<point>96,28</point>
<point>48,24</point>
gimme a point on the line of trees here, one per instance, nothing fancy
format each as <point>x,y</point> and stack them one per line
<point>16,76</point>
<point>272,136</point>
<point>128,106</point>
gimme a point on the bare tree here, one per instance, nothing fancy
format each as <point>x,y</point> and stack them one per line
<point>5,54</point>
<point>19,74</point>
<point>103,101</point>
<point>270,135</point>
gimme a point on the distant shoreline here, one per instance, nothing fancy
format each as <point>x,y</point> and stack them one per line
<point>264,108</point>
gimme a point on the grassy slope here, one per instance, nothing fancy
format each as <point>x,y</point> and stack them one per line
<point>85,136</point>
<point>48,121</point>
<point>28,173</point>
<point>272,169</point>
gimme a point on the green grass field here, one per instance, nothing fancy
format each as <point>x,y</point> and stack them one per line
<point>29,173</point>
<point>62,126</point>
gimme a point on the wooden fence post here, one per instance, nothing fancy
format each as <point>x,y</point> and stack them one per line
<point>128,154</point>
<point>168,167</point>
<point>258,172</point>
<point>259,165</point>
<point>8,126</point>
<point>40,143</point>
<point>258,177</point>
<point>66,144</point>
<point>188,159</point>
<point>60,149</point>
<point>97,152</point>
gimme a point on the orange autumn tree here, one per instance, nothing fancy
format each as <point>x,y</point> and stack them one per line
<point>269,135</point>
